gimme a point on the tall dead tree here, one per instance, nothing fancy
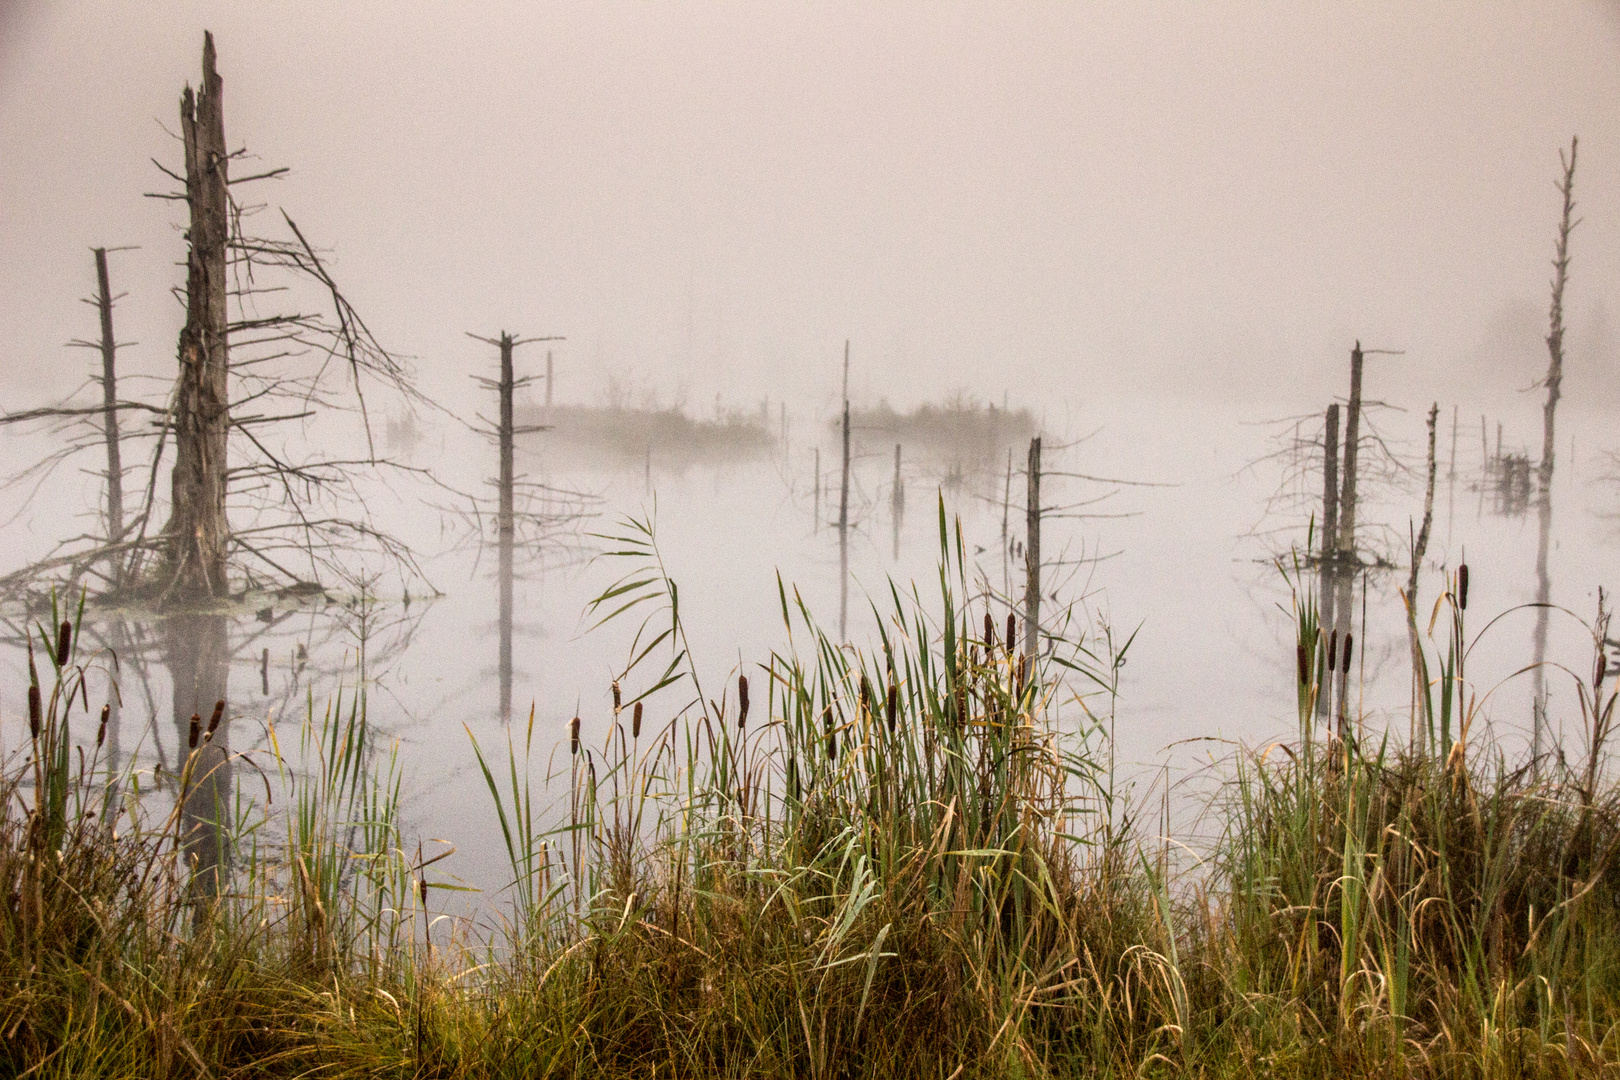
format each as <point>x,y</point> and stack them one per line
<point>1330,537</point>
<point>1554,383</point>
<point>897,501</point>
<point>1420,547</point>
<point>197,531</point>
<point>1032,553</point>
<point>109,416</point>
<point>506,432</point>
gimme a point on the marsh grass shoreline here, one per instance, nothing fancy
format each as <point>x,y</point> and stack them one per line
<point>906,861</point>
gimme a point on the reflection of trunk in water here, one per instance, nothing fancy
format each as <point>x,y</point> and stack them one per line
<point>199,658</point>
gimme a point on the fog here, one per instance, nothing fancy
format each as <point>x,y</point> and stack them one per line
<point>1153,233</point>
<point>1156,198</point>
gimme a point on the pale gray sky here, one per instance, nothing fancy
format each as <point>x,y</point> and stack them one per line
<point>1208,198</point>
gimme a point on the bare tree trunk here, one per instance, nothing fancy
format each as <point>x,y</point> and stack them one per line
<point>843,518</point>
<point>1346,568</point>
<point>504,524</point>
<point>1032,554</point>
<point>549,383</point>
<point>1554,384</point>
<point>1419,548</point>
<point>1330,541</point>
<point>109,398</point>
<point>197,530</point>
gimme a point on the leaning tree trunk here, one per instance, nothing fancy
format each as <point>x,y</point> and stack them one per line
<point>197,530</point>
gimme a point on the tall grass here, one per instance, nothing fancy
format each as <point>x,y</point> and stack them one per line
<point>913,860</point>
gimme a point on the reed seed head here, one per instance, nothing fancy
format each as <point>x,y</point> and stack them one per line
<point>196,729</point>
<point>33,711</point>
<point>573,736</point>
<point>635,722</point>
<point>1462,586</point>
<point>101,730</point>
<point>64,642</point>
<point>742,701</point>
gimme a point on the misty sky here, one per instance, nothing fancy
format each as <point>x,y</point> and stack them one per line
<point>1037,199</point>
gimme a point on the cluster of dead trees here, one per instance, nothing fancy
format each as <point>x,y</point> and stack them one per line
<point>243,511</point>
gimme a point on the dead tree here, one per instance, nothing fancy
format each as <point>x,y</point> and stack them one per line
<point>506,432</point>
<point>1420,547</point>
<point>1554,383</point>
<point>197,532</point>
<point>1032,553</point>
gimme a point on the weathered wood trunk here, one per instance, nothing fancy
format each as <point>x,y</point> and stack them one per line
<point>1347,561</point>
<point>109,416</point>
<point>197,531</point>
<point>1330,542</point>
<point>1554,384</point>
<point>1032,554</point>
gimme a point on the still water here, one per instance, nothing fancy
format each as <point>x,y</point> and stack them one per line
<point>1178,542</point>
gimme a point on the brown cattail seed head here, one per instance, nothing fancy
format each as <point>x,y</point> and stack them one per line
<point>894,705</point>
<point>615,697</point>
<point>1333,651</point>
<point>1304,665</point>
<point>989,632</point>
<point>635,722</point>
<point>1462,586</point>
<point>1348,639</point>
<point>33,712</point>
<point>573,736</point>
<point>213,721</point>
<point>866,695</point>
<point>64,642</point>
<point>742,701</point>
<point>1012,628</point>
<point>421,889</point>
<point>101,730</point>
<point>196,729</point>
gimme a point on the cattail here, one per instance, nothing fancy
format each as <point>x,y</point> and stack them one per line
<point>1333,651</point>
<point>635,722</point>
<point>101,731</point>
<point>213,721</point>
<point>973,656</point>
<point>866,695</point>
<point>989,632</point>
<point>33,711</point>
<point>832,736</point>
<point>196,729</point>
<point>1304,665</point>
<point>1012,627</point>
<point>1023,675</point>
<point>615,697</point>
<point>894,704</point>
<point>64,642</point>
<point>1462,586</point>
<point>421,888</point>
<point>1348,637</point>
<point>573,736</point>
<point>742,701</point>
